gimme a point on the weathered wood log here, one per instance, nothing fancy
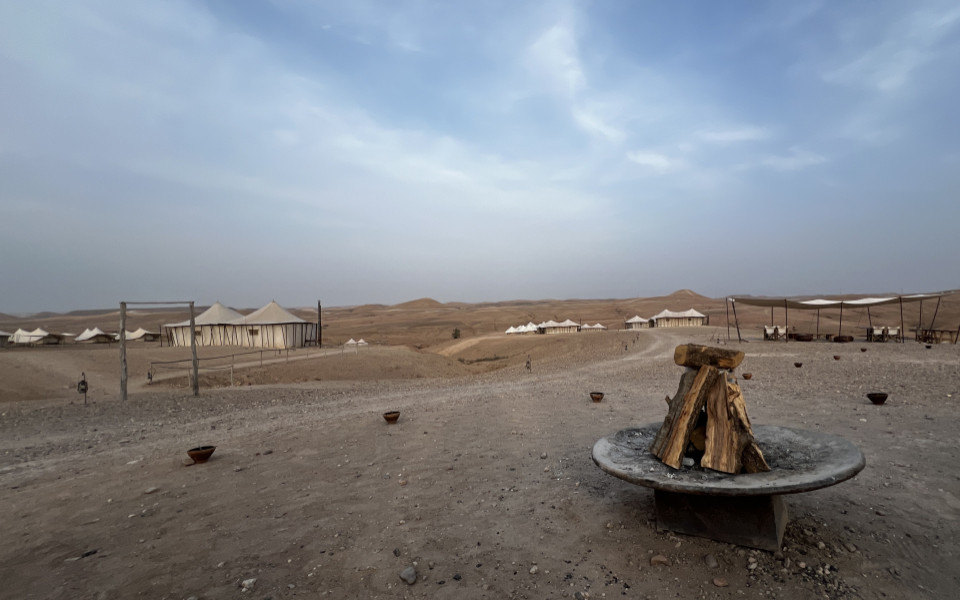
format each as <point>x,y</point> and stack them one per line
<point>674,434</point>
<point>730,446</point>
<point>725,438</point>
<point>692,355</point>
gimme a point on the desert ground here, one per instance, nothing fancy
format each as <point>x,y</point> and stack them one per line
<point>485,486</point>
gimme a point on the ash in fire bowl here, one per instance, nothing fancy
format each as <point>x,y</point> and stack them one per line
<point>799,461</point>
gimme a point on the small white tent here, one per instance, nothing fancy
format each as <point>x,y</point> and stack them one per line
<point>637,322</point>
<point>96,336</point>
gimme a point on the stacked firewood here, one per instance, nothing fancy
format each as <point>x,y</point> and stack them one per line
<point>707,419</point>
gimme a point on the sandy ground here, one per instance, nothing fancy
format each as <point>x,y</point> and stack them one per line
<point>485,485</point>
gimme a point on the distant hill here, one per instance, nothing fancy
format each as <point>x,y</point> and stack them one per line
<point>421,304</point>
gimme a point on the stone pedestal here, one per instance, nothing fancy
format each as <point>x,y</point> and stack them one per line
<point>752,521</point>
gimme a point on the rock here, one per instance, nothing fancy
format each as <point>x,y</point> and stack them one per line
<point>150,490</point>
<point>850,547</point>
<point>821,545</point>
<point>711,561</point>
<point>720,582</point>
<point>688,462</point>
<point>409,575</point>
<point>581,596</point>
<point>534,569</point>
<point>248,584</point>
<point>543,455</point>
<point>659,560</point>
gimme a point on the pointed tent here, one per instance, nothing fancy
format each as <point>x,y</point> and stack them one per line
<point>687,318</point>
<point>275,327</point>
<point>637,322</point>
<point>96,336</point>
<point>214,327</point>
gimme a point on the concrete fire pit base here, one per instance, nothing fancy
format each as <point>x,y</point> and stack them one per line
<point>753,521</point>
<point>746,509</point>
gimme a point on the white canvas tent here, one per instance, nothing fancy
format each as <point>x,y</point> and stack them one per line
<point>687,318</point>
<point>274,327</point>
<point>96,336</point>
<point>637,322</point>
<point>141,335</point>
<point>213,327</point>
<point>37,336</point>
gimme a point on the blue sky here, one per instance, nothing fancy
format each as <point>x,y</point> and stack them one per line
<point>363,151</point>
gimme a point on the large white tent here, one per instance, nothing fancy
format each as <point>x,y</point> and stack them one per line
<point>637,322</point>
<point>274,327</point>
<point>213,327</point>
<point>687,318</point>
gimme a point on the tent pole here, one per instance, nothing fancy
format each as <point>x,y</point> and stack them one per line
<point>818,324</point>
<point>786,322</point>
<point>840,332</point>
<point>934,319</point>
<point>726,305</point>
<point>193,349</point>
<point>902,331</point>
<point>737,321</point>
<point>869,319</point>
<point>123,351</point>
<point>771,316</point>
<point>920,322</point>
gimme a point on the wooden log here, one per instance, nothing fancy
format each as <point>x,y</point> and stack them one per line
<point>725,438</point>
<point>752,459</point>
<point>692,355</point>
<point>674,434</point>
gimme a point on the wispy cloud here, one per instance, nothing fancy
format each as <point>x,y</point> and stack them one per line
<point>654,161</point>
<point>795,160</point>
<point>554,57</point>
<point>905,45</point>
<point>729,136</point>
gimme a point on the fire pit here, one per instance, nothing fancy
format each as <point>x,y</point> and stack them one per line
<point>747,509</point>
<point>596,396</point>
<point>798,364</point>
<point>877,398</point>
<point>392,416</point>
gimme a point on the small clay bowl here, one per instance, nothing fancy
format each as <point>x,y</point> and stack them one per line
<point>929,346</point>
<point>877,398</point>
<point>748,375</point>
<point>596,396</point>
<point>836,357</point>
<point>863,349</point>
<point>798,365</point>
<point>201,454</point>
<point>392,416</point>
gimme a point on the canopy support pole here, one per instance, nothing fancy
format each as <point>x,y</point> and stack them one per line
<point>937,309</point>
<point>840,331</point>
<point>920,322</point>
<point>737,321</point>
<point>902,330</point>
<point>193,350</point>
<point>818,324</point>
<point>869,319</point>
<point>726,305</point>
<point>786,322</point>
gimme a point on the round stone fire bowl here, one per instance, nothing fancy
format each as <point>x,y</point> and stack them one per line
<point>877,398</point>
<point>596,396</point>
<point>798,364</point>
<point>201,454</point>
<point>800,461</point>
<point>836,357</point>
<point>748,375</point>
<point>392,416</point>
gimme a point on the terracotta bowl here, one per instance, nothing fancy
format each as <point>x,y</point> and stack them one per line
<point>798,365</point>
<point>596,396</point>
<point>392,416</point>
<point>863,349</point>
<point>836,357</point>
<point>748,375</point>
<point>929,346</point>
<point>201,454</point>
<point>877,398</point>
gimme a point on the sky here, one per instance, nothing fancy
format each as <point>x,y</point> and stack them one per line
<point>382,151</point>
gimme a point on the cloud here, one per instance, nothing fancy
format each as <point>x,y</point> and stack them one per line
<point>795,160</point>
<point>729,136</point>
<point>654,161</point>
<point>555,58</point>
<point>906,45</point>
